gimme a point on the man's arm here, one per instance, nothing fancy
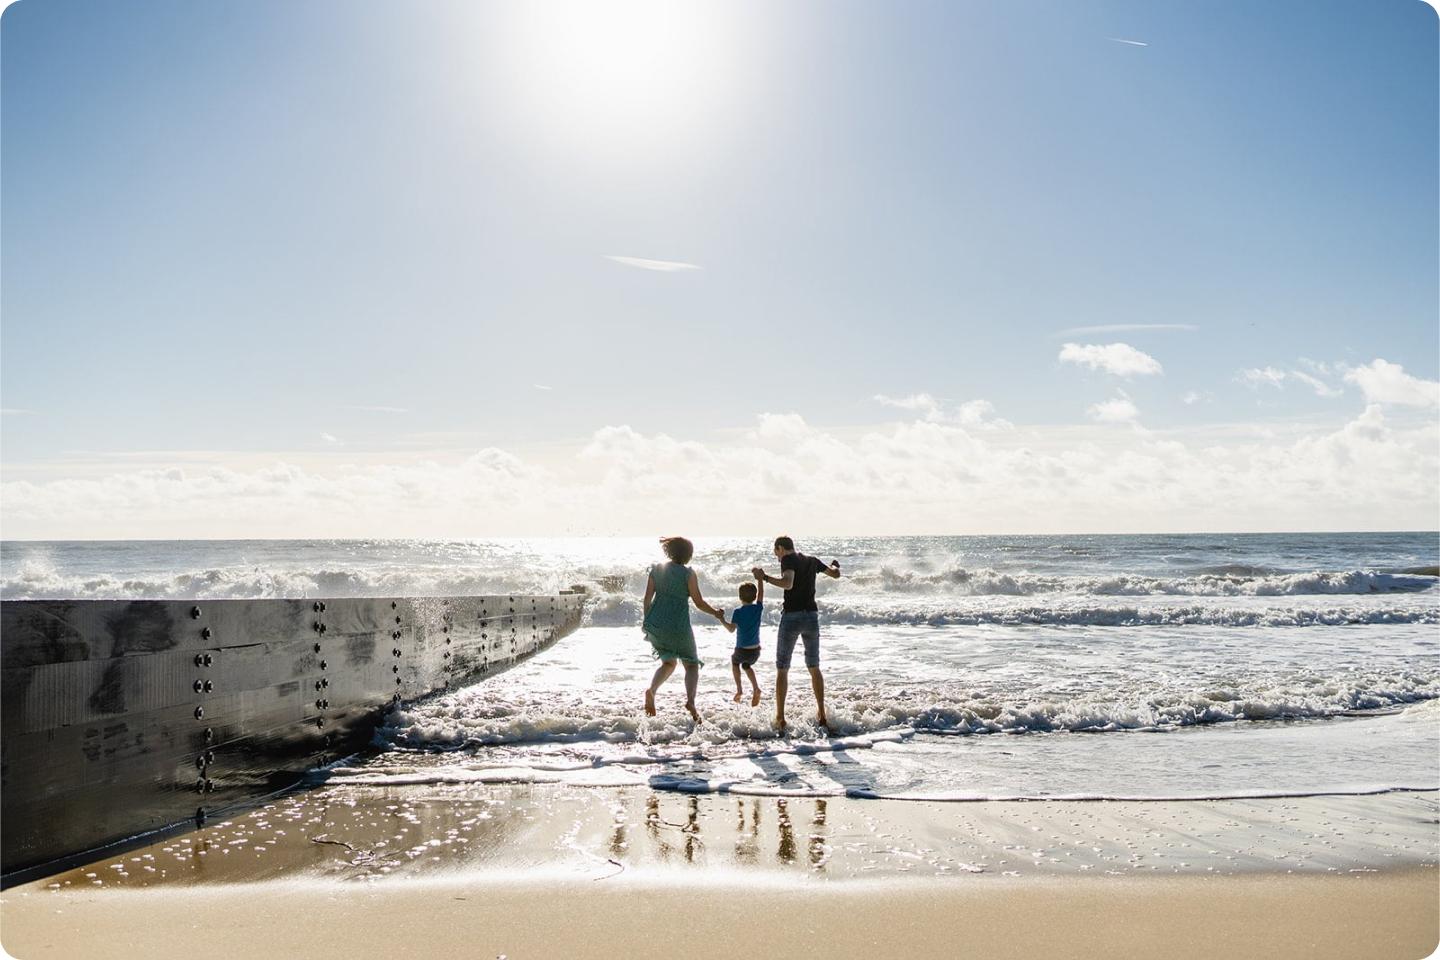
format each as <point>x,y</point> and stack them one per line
<point>784,582</point>
<point>833,570</point>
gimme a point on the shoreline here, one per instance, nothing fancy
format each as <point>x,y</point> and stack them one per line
<point>487,870</point>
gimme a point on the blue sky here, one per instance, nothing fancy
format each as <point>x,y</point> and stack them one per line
<point>337,240</point>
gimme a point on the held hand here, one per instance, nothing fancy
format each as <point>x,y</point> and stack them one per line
<point>757,573</point>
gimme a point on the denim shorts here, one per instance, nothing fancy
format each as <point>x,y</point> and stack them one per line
<point>803,625</point>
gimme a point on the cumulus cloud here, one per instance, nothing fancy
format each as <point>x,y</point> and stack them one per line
<point>1116,410</point>
<point>1119,359</point>
<point>1385,382</point>
<point>781,472</point>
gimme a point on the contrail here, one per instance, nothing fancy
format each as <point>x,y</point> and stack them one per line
<point>1133,43</point>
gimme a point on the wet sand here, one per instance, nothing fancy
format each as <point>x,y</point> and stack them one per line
<point>543,871</point>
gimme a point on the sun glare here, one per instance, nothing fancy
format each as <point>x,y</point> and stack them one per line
<point>621,73</point>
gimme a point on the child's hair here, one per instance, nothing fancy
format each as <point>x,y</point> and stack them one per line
<point>678,549</point>
<point>785,542</point>
<point>747,592</point>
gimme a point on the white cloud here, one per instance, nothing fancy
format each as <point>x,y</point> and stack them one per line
<point>329,438</point>
<point>1116,410</point>
<point>1262,376</point>
<point>971,413</point>
<point>1133,43</point>
<point>1193,397</point>
<point>541,386</point>
<point>1321,388</point>
<point>1385,382</point>
<point>665,266</point>
<point>781,472</point>
<point>1125,328</point>
<point>1268,376</point>
<point>1119,359</point>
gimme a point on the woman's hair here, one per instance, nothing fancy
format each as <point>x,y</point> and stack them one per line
<point>677,548</point>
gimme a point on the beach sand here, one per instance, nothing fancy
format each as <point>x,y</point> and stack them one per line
<point>485,870</point>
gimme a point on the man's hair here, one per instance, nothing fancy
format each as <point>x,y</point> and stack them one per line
<point>747,592</point>
<point>785,542</point>
<point>678,548</point>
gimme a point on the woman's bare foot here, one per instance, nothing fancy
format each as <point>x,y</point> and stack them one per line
<point>694,714</point>
<point>754,698</point>
<point>738,695</point>
<point>649,703</point>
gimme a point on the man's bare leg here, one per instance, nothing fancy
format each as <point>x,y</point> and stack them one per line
<point>782,680</point>
<point>692,683</point>
<point>662,673</point>
<point>817,683</point>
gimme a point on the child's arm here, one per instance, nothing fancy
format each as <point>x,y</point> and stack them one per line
<point>725,623</point>
<point>760,591</point>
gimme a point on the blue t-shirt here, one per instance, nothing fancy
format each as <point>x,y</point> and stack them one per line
<point>747,624</point>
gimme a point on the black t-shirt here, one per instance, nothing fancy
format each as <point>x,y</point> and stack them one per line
<point>801,596</point>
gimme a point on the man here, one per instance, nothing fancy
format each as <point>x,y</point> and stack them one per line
<point>799,619</point>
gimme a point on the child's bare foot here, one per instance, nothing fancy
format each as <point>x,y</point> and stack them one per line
<point>694,714</point>
<point>754,698</point>
<point>738,695</point>
<point>649,703</point>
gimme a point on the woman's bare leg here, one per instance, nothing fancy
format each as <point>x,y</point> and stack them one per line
<point>662,673</point>
<point>692,683</point>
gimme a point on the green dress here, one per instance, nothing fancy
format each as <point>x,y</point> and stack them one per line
<point>667,625</point>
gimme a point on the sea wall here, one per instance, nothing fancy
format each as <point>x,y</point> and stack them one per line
<point>122,717</point>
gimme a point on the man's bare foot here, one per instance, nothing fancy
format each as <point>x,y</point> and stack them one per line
<point>780,722</point>
<point>694,714</point>
<point>754,698</point>
<point>649,703</point>
<point>738,695</point>
<point>820,719</point>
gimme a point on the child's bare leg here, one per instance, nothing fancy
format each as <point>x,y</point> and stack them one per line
<point>662,673</point>
<point>754,686</point>
<point>692,683</point>
<point>735,669</point>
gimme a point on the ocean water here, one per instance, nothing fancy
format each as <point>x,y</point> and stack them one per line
<point>958,668</point>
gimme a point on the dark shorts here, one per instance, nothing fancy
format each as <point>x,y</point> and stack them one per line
<point>745,656</point>
<point>798,625</point>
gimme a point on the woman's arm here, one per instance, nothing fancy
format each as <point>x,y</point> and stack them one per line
<point>700,603</point>
<point>649,593</point>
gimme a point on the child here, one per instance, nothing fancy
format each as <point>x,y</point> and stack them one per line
<point>745,624</point>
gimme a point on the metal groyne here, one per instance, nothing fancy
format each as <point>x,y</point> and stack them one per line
<point>120,717</point>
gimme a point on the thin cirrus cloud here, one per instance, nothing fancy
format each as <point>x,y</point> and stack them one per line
<point>663,266</point>
<point>370,409</point>
<point>1267,376</point>
<point>1124,328</point>
<point>1119,359</point>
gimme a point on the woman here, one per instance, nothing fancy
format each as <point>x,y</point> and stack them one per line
<point>668,591</point>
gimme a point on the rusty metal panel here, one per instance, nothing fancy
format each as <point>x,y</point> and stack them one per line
<point>120,717</point>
